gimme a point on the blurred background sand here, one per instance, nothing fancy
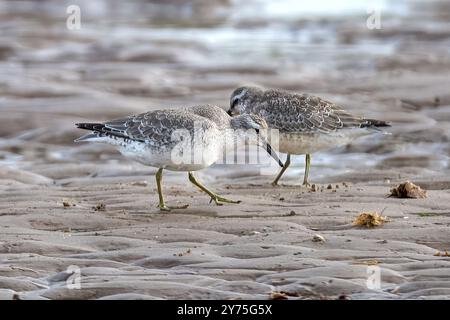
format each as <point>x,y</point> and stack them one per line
<point>134,56</point>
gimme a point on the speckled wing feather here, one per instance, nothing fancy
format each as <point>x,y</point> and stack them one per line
<point>156,127</point>
<point>290,112</point>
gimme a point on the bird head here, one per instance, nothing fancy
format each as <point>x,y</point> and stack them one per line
<point>254,128</point>
<point>240,100</point>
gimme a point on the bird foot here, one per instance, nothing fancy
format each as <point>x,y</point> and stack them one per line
<point>219,201</point>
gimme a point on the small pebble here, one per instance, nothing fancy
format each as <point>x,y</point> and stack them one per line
<point>140,183</point>
<point>318,238</point>
<point>99,207</point>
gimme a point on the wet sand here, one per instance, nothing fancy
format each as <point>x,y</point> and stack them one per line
<point>64,204</point>
<point>250,250</point>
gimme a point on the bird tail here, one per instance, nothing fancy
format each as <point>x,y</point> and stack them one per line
<point>100,133</point>
<point>94,136</point>
<point>90,126</point>
<point>375,125</point>
<point>89,137</point>
<point>370,123</point>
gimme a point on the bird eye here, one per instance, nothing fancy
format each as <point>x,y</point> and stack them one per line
<point>257,131</point>
<point>235,103</point>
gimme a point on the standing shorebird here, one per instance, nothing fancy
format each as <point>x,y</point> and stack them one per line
<point>187,139</point>
<point>306,123</point>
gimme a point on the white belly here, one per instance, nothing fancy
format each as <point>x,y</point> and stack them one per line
<point>294,143</point>
<point>183,157</point>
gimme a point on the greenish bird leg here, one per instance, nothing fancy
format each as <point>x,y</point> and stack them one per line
<point>214,197</point>
<point>307,165</point>
<point>162,206</point>
<point>286,165</point>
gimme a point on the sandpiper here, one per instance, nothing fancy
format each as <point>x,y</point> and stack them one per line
<point>306,123</point>
<point>162,138</point>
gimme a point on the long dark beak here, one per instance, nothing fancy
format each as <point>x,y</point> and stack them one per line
<point>272,153</point>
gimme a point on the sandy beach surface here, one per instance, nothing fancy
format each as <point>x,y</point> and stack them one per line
<point>85,208</point>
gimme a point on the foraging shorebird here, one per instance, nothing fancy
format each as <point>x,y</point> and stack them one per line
<point>306,123</point>
<point>163,139</point>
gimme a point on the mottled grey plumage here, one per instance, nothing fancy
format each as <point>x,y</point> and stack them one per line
<point>294,112</point>
<point>150,138</point>
<point>154,128</point>
<point>306,123</point>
